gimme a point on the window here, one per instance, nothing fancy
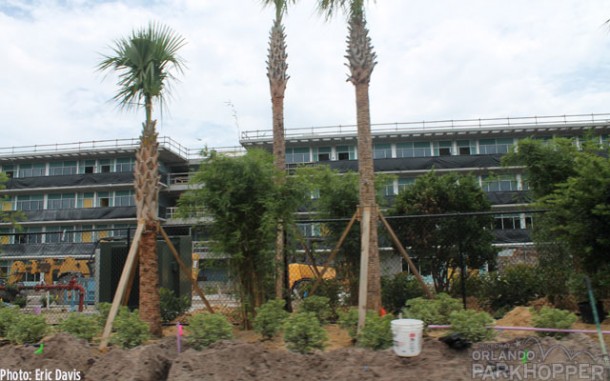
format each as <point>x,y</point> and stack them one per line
<point>442,148</point>
<point>507,222</point>
<point>388,189</point>
<point>500,183</point>
<point>322,153</point>
<point>61,201</point>
<point>85,200</point>
<point>466,147</point>
<point>9,170</point>
<point>493,146</point>
<point>30,170</point>
<point>124,164</point>
<point>404,183</point>
<point>297,155</point>
<point>32,202</point>
<point>85,235</point>
<point>103,199</point>
<point>382,151</point>
<point>34,235</point>
<point>53,235</point>
<point>105,165</point>
<point>346,153</point>
<point>62,168</point>
<point>124,198</point>
<point>413,149</point>
<point>7,204</point>
<point>87,166</point>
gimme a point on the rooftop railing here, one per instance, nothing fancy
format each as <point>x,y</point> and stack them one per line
<point>437,125</point>
<point>97,145</point>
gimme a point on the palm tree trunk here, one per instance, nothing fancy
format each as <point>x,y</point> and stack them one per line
<point>276,72</point>
<point>368,195</point>
<point>147,190</point>
<point>361,61</point>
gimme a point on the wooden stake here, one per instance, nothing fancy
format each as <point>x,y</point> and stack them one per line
<point>365,223</point>
<point>313,267</point>
<point>404,254</point>
<point>185,270</point>
<point>121,288</point>
<point>333,254</point>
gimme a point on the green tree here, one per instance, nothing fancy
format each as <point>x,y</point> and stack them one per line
<point>277,68</point>
<point>546,163</point>
<point>337,198</point>
<point>145,62</point>
<point>244,201</point>
<point>361,61</point>
<point>438,242</point>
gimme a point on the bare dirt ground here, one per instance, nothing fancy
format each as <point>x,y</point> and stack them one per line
<point>248,358</point>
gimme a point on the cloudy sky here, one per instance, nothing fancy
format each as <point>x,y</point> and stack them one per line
<point>437,59</point>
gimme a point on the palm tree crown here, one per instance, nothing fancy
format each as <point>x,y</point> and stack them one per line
<point>145,61</point>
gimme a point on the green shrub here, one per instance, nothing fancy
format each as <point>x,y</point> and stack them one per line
<point>27,329</point>
<point>205,329</point>
<point>397,290</point>
<point>104,310</point>
<point>349,320</point>
<point>172,306</point>
<point>377,332</point>
<point>515,286</point>
<point>130,330</point>
<point>319,305</point>
<point>549,317</point>
<point>270,317</point>
<point>20,301</point>
<point>80,325</point>
<point>472,325</point>
<point>8,315</point>
<point>303,332</point>
<point>330,288</point>
<point>432,311</point>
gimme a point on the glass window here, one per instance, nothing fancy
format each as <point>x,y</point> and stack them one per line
<point>322,153</point>
<point>466,147</point>
<point>507,222</point>
<point>9,170</point>
<point>346,153</point>
<point>413,149</point>
<point>85,200</point>
<point>442,148</point>
<point>493,146</point>
<point>61,201</point>
<point>103,199</point>
<point>29,202</point>
<point>297,155</point>
<point>382,151</point>
<point>124,198</point>
<point>404,183</point>
<point>105,166</point>
<point>62,168</point>
<point>500,183</point>
<point>124,164</point>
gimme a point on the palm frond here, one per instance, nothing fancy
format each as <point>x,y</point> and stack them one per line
<point>351,8</point>
<point>144,62</point>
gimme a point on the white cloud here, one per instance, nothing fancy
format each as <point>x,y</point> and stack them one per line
<point>445,59</point>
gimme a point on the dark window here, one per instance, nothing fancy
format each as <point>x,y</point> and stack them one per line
<point>105,168</point>
<point>343,155</point>
<point>323,157</point>
<point>464,150</point>
<point>444,151</point>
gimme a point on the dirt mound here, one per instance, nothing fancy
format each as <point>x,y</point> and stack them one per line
<point>517,317</point>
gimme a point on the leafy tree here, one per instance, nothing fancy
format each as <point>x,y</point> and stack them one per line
<point>244,201</point>
<point>438,242</point>
<point>547,163</point>
<point>337,197</point>
<point>145,62</point>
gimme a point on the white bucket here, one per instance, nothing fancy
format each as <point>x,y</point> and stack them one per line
<point>407,336</point>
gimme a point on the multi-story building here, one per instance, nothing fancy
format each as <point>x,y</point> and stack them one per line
<point>72,195</point>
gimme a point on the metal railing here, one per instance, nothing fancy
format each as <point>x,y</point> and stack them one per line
<point>95,145</point>
<point>438,125</point>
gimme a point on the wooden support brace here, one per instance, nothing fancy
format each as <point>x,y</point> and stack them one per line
<point>122,286</point>
<point>333,254</point>
<point>405,255</point>
<point>365,236</point>
<point>301,239</point>
<point>186,270</point>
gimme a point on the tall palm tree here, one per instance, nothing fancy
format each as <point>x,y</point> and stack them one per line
<point>361,62</point>
<point>145,62</point>
<point>278,78</point>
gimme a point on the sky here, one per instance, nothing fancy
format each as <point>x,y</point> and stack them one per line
<point>437,60</point>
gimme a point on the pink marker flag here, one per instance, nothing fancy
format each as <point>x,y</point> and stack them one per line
<point>179,334</point>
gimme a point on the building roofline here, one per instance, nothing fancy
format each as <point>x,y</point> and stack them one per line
<point>438,127</point>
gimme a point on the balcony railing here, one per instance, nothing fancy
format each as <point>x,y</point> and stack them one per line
<point>438,125</point>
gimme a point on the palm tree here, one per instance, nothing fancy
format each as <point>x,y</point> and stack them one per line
<point>361,62</point>
<point>144,62</point>
<point>278,78</point>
